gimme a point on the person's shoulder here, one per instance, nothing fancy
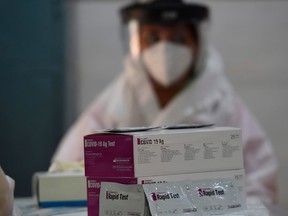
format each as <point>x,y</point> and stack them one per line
<point>110,90</point>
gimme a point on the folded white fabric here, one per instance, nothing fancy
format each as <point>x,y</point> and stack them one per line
<point>62,166</point>
<point>6,194</point>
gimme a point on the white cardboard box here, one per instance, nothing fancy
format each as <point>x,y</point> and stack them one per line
<point>60,189</point>
<point>163,152</point>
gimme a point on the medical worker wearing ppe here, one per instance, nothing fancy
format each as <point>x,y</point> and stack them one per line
<point>173,76</point>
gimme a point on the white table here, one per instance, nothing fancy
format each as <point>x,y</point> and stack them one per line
<point>28,207</point>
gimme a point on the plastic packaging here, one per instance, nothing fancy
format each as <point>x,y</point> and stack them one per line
<point>168,199</point>
<point>198,197</point>
<point>215,196</point>
<point>121,199</point>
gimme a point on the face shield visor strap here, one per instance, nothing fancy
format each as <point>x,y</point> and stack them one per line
<point>134,39</point>
<point>202,51</point>
<point>130,38</point>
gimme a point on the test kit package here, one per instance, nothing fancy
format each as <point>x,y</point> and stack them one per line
<point>121,199</point>
<point>60,189</point>
<point>94,188</point>
<point>163,152</point>
<point>215,196</point>
<point>170,199</point>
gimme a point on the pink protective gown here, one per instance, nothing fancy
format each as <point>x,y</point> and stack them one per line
<point>129,102</point>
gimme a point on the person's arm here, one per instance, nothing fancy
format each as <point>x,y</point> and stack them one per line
<point>259,158</point>
<point>70,148</point>
<point>6,194</point>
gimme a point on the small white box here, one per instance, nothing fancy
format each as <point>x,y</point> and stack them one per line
<point>163,152</point>
<point>60,189</point>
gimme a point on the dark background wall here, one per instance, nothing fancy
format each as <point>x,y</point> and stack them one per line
<point>31,86</point>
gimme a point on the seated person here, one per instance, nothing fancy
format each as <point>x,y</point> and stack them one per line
<point>172,76</point>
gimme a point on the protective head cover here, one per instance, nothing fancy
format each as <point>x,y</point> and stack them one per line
<point>156,36</point>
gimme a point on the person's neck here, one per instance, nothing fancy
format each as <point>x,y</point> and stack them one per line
<point>165,94</point>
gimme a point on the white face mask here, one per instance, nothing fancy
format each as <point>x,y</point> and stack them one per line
<point>167,62</point>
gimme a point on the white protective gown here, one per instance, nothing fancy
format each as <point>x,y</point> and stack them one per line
<point>129,101</point>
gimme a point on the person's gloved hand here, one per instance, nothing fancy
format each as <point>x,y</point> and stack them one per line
<point>6,194</point>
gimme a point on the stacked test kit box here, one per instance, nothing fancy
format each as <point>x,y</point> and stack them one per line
<point>161,156</point>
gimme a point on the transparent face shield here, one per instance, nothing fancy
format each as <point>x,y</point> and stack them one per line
<point>166,37</point>
<point>141,36</point>
<point>138,37</point>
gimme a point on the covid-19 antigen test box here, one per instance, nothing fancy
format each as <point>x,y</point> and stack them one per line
<point>163,152</point>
